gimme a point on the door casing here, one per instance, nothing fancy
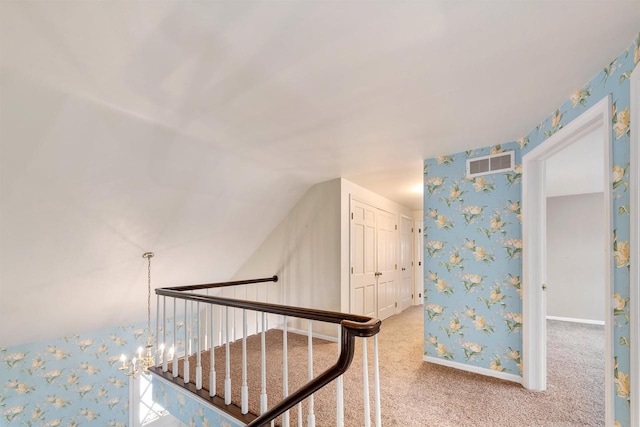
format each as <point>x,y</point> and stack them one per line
<point>534,258</point>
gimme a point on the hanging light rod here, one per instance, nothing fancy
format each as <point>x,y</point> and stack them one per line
<point>142,364</point>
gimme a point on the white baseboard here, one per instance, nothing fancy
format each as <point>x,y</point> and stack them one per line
<point>474,369</point>
<point>574,320</point>
<point>315,335</point>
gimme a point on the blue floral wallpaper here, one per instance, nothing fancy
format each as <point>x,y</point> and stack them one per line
<point>472,242</point>
<point>189,410</point>
<point>71,381</point>
<point>472,263</point>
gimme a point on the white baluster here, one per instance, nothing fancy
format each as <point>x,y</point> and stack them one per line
<point>376,379</point>
<point>212,357</point>
<point>175,339</point>
<point>198,350</point>
<point>207,344</point>
<point>285,370</point>
<point>365,384</point>
<point>157,337</point>
<point>190,328</point>
<point>245,388</point>
<point>165,361</point>
<point>299,414</point>
<point>227,378</point>
<point>311,417</point>
<point>263,363</point>
<point>186,343</point>
<point>339,387</point>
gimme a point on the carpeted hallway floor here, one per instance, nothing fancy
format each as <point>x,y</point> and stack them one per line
<point>415,393</point>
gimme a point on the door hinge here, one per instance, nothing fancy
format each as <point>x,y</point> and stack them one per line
<point>411,296</point>
<point>419,230</point>
<point>351,270</point>
<point>419,295</point>
<point>396,226</point>
<point>411,263</point>
<point>396,305</point>
<point>396,266</point>
<point>412,229</point>
<point>351,215</point>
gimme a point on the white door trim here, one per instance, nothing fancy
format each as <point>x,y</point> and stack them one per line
<point>419,260</point>
<point>533,227</point>
<point>634,283</point>
<point>409,260</point>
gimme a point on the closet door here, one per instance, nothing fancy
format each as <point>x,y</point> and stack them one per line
<point>386,263</point>
<point>363,259</point>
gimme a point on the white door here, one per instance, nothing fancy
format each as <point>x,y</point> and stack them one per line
<point>406,262</point>
<point>363,259</point>
<point>387,265</point>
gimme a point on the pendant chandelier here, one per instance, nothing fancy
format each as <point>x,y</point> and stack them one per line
<point>141,363</point>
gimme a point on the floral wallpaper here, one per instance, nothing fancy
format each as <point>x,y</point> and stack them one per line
<point>472,263</point>
<point>473,242</point>
<point>71,381</point>
<point>189,410</point>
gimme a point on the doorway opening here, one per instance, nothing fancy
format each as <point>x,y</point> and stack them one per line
<point>534,207</point>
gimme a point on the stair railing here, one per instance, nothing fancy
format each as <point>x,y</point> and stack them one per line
<point>350,327</point>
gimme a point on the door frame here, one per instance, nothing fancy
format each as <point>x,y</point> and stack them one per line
<point>410,259</point>
<point>418,244</point>
<point>534,260</point>
<point>634,282</point>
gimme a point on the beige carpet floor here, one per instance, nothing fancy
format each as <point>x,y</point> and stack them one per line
<point>415,393</point>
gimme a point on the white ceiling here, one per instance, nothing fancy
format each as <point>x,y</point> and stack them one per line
<point>191,128</point>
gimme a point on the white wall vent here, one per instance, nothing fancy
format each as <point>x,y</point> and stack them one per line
<point>494,163</point>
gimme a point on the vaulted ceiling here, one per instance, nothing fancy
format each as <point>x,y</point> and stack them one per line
<point>191,128</point>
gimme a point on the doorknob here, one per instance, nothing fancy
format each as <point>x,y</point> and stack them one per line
<point>403,269</point>
<point>544,286</point>
<point>377,273</point>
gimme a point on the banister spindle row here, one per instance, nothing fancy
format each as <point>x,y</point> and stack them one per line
<point>222,327</point>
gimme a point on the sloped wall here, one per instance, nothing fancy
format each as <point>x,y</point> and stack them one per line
<point>304,251</point>
<point>459,289</point>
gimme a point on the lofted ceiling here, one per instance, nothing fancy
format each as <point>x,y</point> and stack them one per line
<point>192,128</point>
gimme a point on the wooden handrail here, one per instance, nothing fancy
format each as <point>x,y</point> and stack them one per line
<point>352,325</point>
<point>273,278</point>
<point>349,332</point>
<point>284,310</point>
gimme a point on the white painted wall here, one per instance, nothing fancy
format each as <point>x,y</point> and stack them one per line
<point>304,251</point>
<point>309,250</point>
<point>575,262</point>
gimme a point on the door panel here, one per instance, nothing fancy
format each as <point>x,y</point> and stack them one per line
<point>386,264</point>
<point>363,259</point>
